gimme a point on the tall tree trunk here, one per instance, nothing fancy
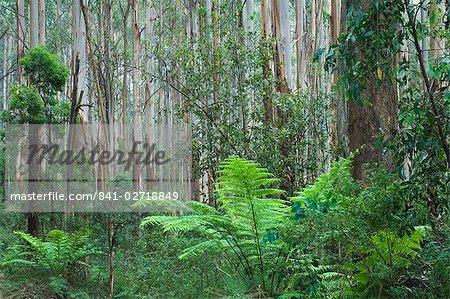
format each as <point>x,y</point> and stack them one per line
<point>266,25</point>
<point>125,98</point>
<point>160,105</point>
<point>42,22</point>
<point>247,15</point>
<point>107,76</point>
<point>193,35</point>
<point>275,23</point>
<point>313,30</point>
<point>5,75</point>
<point>77,92</point>
<point>301,43</point>
<point>342,103</point>
<point>58,29</point>
<point>102,129</point>
<point>215,15</point>
<point>136,78</point>
<point>281,32</point>
<point>111,244</point>
<point>20,37</point>
<point>437,44</point>
<point>149,107</point>
<point>334,20</point>
<point>366,120</point>
<point>34,23</point>
<point>426,38</point>
<point>78,74</point>
<point>33,216</point>
<point>33,176</point>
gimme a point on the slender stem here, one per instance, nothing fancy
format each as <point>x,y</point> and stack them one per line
<point>428,86</point>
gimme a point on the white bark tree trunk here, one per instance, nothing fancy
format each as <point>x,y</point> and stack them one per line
<point>42,22</point>
<point>426,39</point>
<point>79,56</point>
<point>136,80</point>
<point>247,16</point>
<point>34,23</point>
<point>20,37</point>
<point>149,89</point>
<point>283,36</point>
<point>302,61</point>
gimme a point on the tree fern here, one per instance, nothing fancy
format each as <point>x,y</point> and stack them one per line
<point>330,189</point>
<point>56,254</point>
<point>245,226</point>
<point>386,255</point>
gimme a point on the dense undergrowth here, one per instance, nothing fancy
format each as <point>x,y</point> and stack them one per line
<point>337,238</point>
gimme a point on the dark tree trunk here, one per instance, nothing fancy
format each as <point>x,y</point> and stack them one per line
<point>366,122</point>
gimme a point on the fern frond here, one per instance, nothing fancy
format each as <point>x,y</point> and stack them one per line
<point>60,251</point>
<point>15,262</point>
<point>200,248</point>
<point>247,210</point>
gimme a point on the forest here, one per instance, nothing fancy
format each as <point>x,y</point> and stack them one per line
<point>225,149</point>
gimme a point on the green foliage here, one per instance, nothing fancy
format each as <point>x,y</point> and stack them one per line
<point>416,146</point>
<point>58,254</point>
<point>44,71</point>
<point>387,257</point>
<point>375,34</point>
<point>246,226</point>
<point>53,263</point>
<point>377,226</point>
<point>317,213</point>
<point>367,237</point>
<point>368,47</point>
<point>151,267</point>
<point>333,188</point>
<point>25,106</point>
<point>224,86</point>
<point>292,151</point>
<point>37,102</point>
